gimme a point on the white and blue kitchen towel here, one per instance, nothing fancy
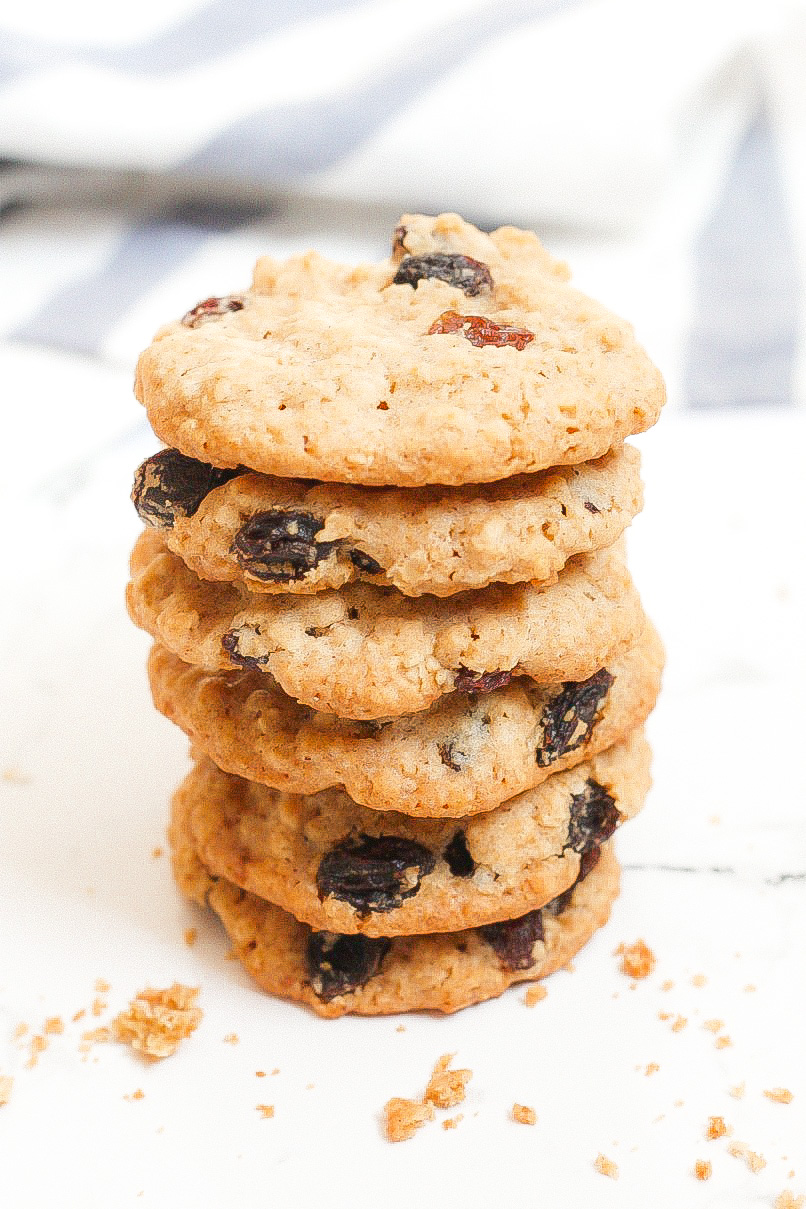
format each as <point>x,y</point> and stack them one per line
<point>150,152</point>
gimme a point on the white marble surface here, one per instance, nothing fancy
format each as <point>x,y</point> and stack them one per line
<point>715,880</point>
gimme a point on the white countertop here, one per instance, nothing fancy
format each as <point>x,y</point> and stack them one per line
<point>715,882</point>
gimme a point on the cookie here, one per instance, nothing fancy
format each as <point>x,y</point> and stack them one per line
<point>288,535</point>
<point>366,652</point>
<point>466,754</point>
<point>340,867</point>
<point>443,971</point>
<point>464,358</point>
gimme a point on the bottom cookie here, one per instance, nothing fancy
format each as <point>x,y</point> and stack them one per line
<point>338,974</point>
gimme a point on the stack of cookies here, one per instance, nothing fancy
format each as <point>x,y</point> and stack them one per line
<point>384,571</point>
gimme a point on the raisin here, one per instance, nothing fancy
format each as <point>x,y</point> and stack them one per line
<point>514,939</point>
<point>451,756</point>
<point>466,681</point>
<point>373,873</point>
<point>594,817</point>
<point>230,643</point>
<point>480,331</point>
<point>468,275</point>
<point>569,718</point>
<point>364,562</point>
<point>459,860</point>
<point>211,308</point>
<point>340,964</point>
<point>563,901</point>
<point>279,546</point>
<point>591,507</point>
<point>170,484</point>
<point>588,861</point>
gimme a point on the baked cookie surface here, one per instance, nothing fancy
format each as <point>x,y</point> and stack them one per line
<point>340,867</point>
<point>467,753</point>
<point>366,652</point>
<point>291,536</point>
<point>335,974</point>
<point>464,358</point>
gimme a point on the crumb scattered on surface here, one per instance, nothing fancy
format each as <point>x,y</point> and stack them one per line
<point>260,1074</point>
<point>79,1015</point>
<point>637,960</point>
<point>667,985</point>
<point>452,1122</point>
<point>232,1038</point>
<point>751,986</point>
<point>523,1114</point>
<point>702,1169</point>
<point>713,1026</point>
<point>99,1006</point>
<point>754,1161</point>
<point>401,1028</point>
<point>139,1094</point>
<point>446,1088</point>
<point>97,1035</point>
<point>698,980</point>
<point>38,1046</point>
<point>785,1200</point>
<point>534,995</point>
<point>191,936</point>
<point>102,986</point>
<point>54,1025</point>
<point>781,1095</point>
<point>717,1128</point>
<point>6,1085</point>
<point>265,1110</point>
<point>650,1068</point>
<point>20,1030</point>
<point>310,1086</point>
<point>679,1023</point>
<point>606,1166</point>
<point>737,1092</point>
<point>402,1118</point>
<point>157,853</point>
<point>723,1042</point>
<point>156,1020</point>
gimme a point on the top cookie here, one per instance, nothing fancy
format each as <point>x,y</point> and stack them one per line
<point>464,358</point>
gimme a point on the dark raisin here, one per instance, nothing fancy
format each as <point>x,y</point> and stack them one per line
<point>451,756</point>
<point>569,718</point>
<point>468,275</point>
<point>374,873</point>
<point>230,643</point>
<point>594,817</point>
<point>480,331</point>
<point>459,860</point>
<point>591,507</point>
<point>340,964</point>
<point>588,861</point>
<point>170,484</point>
<point>466,681</point>
<point>365,563</point>
<point>211,308</point>
<point>279,546</point>
<point>515,939</point>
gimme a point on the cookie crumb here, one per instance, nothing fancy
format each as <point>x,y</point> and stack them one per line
<point>751,986</point>
<point>534,995</point>
<point>679,1023</point>
<point>231,1039</point>
<point>667,985</point>
<point>102,986</point>
<point>723,1042</point>
<point>38,1046</point>
<point>20,1030</point>
<point>523,1114</point>
<point>452,1122</point>
<point>717,1128</point>
<point>651,1068</point>
<point>266,1110</point>
<point>54,1024</point>
<point>713,1026</point>
<point>139,1094</point>
<point>401,1028</point>
<point>736,1092</point>
<point>157,853</point>
<point>276,1070</point>
<point>99,1006</point>
<point>637,960</point>
<point>785,1200</point>
<point>158,1019</point>
<point>79,1015</point>
<point>402,1118</point>
<point>754,1161</point>
<point>702,1169</point>
<point>698,980</point>
<point>6,1084</point>
<point>96,1035</point>
<point>446,1088</point>
<point>191,936</point>
<point>606,1166</point>
<point>260,1074</point>
<point>780,1095</point>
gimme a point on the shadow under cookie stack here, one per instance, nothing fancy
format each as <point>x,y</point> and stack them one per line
<point>384,571</point>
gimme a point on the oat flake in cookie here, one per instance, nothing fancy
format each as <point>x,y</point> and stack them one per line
<point>463,358</point>
<point>340,867</point>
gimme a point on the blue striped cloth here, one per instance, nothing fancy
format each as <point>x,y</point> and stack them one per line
<point>148,161</point>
